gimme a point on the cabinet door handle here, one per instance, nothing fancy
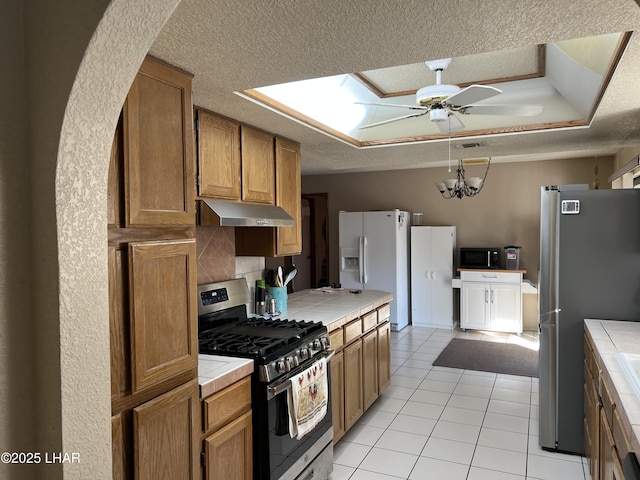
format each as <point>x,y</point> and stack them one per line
<point>492,294</point>
<point>486,296</point>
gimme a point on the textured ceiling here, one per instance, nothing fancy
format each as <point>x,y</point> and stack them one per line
<point>232,45</point>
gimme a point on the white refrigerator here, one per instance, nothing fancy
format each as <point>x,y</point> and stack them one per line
<point>432,271</point>
<point>374,255</point>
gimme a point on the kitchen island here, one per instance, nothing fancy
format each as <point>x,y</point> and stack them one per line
<point>612,409</point>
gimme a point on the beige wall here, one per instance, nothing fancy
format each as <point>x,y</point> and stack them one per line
<point>505,213</point>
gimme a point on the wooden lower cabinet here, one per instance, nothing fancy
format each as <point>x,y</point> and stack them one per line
<point>384,357</point>
<point>228,452</point>
<point>121,452</point>
<point>165,435</point>
<point>227,433</point>
<point>370,368</point>
<point>353,391</point>
<point>360,368</point>
<point>337,395</point>
<point>606,444</point>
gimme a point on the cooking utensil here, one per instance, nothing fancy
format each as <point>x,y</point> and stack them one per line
<point>279,279</point>
<point>290,276</point>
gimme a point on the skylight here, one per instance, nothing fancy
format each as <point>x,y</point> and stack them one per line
<point>566,79</point>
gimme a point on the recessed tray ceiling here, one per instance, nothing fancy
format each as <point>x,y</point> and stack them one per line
<point>567,78</point>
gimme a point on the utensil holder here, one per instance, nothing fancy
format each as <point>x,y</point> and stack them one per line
<point>280,295</point>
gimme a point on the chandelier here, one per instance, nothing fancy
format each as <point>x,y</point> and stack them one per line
<point>461,186</point>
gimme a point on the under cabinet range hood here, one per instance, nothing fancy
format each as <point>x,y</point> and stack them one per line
<point>231,214</point>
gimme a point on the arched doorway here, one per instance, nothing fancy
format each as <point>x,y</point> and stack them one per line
<point>123,36</point>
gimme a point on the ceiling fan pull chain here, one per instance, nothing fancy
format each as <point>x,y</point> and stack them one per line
<point>449,144</point>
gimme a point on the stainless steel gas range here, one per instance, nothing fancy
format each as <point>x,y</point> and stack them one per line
<point>285,352</point>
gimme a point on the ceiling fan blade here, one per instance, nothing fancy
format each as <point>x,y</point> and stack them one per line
<point>514,110</point>
<point>394,120</point>
<point>452,124</point>
<point>471,94</point>
<point>412,107</point>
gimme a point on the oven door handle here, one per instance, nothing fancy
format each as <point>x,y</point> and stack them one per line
<point>285,385</point>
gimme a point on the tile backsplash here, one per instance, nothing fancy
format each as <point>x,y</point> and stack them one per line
<point>216,253</point>
<point>217,261</point>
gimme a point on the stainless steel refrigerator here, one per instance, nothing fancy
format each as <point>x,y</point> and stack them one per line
<point>589,268</point>
<point>374,255</point>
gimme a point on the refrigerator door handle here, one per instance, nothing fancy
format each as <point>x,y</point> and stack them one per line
<point>360,260</point>
<point>363,260</point>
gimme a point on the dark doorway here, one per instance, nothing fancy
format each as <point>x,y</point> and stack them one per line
<point>313,262</point>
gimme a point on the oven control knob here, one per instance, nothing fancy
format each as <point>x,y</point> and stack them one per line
<point>304,353</point>
<point>317,345</point>
<point>290,362</point>
<point>281,366</point>
<point>325,342</point>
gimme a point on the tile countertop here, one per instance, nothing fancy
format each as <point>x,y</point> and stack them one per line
<point>331,307</point>
<point>610,337</point>
<point>216,372</point>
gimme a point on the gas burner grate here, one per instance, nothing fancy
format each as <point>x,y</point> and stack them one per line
<point>255,337</point>
<point>214,342</point>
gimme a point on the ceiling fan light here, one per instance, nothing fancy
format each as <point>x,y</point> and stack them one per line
<point>438,115</point>
<point>441,187</point>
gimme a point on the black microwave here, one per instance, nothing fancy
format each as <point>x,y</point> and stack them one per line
<point>479,258</point>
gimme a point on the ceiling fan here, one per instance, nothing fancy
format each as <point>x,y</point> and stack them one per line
<point>441,101</point>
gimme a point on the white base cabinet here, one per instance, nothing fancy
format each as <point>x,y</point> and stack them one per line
<point>491,300</point>
<point>432,251</point>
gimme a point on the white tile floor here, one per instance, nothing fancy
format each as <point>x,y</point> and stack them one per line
<point>444,423</point>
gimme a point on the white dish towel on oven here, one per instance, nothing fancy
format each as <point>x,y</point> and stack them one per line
<point>308,397</point>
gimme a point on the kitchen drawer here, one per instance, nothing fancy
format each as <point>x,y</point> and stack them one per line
<point>352,331</point>
<point>384,312</point>
<point>226,405</point>
<point>336,339</point>
<point>369,321</point>
<point>490,277</point>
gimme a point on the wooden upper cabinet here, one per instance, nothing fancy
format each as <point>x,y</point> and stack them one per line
<point>115,187</point>
<point>279,241</point>
<point>158,148</point>
<point>163,310</point>
<point>289,195</point>
<point>219,166</point>
<point>166,435</point>
<point>258,166</point>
